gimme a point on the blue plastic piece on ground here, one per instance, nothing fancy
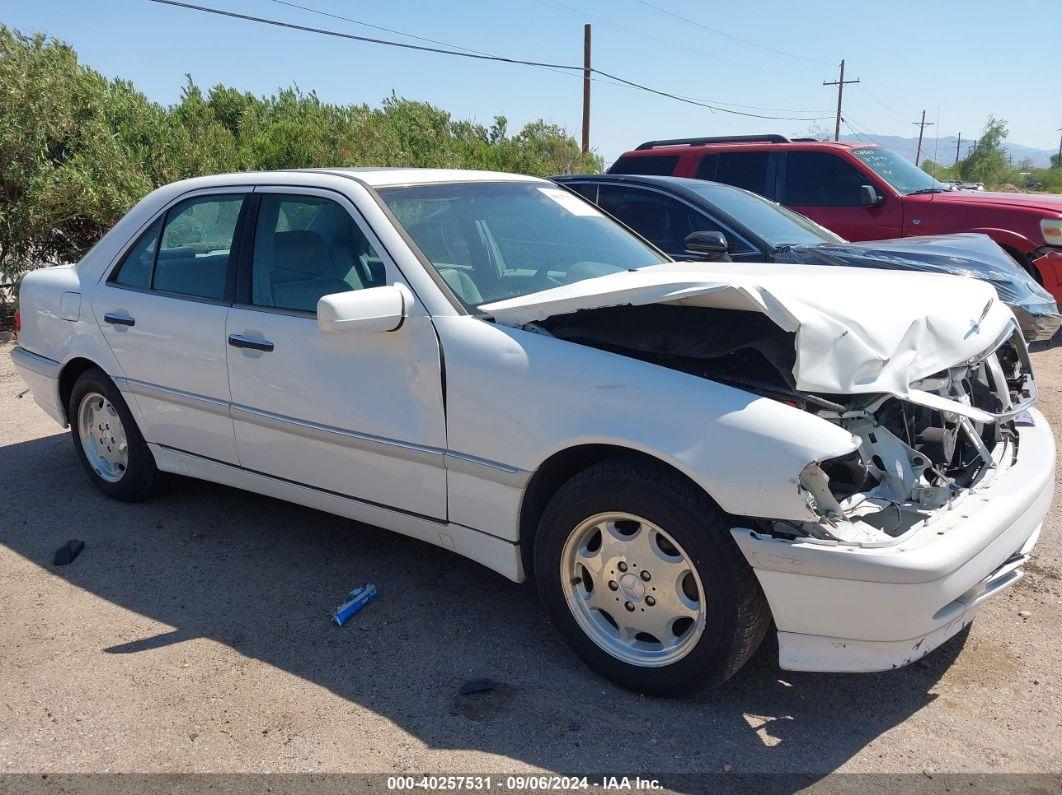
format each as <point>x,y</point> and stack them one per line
<point>356,600</point>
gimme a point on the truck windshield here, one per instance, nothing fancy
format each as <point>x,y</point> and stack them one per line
<point>495,240</point>
<point>899,172</point>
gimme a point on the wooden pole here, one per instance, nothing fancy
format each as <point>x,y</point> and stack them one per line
<point>586,89</point>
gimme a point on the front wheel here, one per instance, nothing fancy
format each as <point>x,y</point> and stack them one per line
<point>639,573</point>
<point>107,440</point>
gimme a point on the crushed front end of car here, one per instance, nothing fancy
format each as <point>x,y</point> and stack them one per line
<point>895,543</point>
<point>936,511</point>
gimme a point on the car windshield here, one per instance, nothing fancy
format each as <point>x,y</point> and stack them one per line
<point>772,222</point>
<point>495,240</point>
<point>899,172</point>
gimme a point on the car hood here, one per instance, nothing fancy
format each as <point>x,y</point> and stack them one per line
<point>971,255</point>
<point>856,331</point>
<point>1037,201</point>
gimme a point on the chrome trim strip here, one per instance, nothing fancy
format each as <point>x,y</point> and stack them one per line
<point>177,396</point>
<point>463,463</point>
<point>432,456</point>
<point>41,365</point>
<point>477,467</point>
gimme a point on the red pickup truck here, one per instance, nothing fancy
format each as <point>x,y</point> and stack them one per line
<point>864,192</point>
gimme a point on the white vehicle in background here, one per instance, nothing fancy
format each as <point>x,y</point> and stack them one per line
<point>678,453</point>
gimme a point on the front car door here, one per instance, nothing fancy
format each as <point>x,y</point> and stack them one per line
<point>163,308</point>
<point>357,414</point>
<point>827,188</point>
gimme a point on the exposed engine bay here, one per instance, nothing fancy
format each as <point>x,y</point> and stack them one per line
<point>916,459</point>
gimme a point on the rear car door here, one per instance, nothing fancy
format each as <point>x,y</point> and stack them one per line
<point>357,414</point>
<point>163,310</point>
<point>827,188</point>
<point>754,170</point>
<point>666,221</point>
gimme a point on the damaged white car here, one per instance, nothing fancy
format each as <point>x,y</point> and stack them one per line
<point>682,455</point>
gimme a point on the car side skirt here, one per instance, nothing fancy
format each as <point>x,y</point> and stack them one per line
<point>495,553</point>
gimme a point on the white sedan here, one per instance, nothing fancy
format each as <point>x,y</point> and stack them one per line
<point>680,454</point>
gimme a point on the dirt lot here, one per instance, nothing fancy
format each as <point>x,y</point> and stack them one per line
<point>192,634</point>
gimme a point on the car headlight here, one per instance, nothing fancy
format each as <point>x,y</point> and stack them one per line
<point>1052,231</point>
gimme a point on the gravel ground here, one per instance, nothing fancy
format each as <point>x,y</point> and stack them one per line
<point>192,635</point>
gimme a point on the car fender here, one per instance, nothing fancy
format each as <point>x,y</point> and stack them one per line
<point>515,398</point>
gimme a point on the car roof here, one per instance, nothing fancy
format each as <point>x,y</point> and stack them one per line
<point>374,177</point>
<point>681,186</point>
<point>667,147</point>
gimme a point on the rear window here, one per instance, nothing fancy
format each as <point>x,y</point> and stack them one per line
<point>746,170</point>
<point>655,165</point>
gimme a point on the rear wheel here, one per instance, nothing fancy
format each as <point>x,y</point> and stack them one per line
<point>639,573</point>
<point>107,440</point>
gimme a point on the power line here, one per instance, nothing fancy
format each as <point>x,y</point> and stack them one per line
<point>402,33</point>
<point>475,56</point>
<point>730,36</point>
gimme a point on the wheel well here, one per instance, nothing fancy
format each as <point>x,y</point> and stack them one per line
<point>71,371</point>
<point>557,470</point>
<point>1024,262</point>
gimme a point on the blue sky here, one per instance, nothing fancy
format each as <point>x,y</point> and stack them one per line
<point>959,59</point>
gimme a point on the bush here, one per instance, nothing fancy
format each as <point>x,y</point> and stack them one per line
<point>78,150</point>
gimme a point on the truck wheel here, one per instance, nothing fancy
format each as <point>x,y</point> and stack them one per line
<point>107,440</point>
<point>639,573</point>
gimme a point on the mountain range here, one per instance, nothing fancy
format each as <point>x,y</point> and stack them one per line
<point>942,150</point>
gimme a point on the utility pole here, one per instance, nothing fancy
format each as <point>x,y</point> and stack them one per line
<point>586,88</point>
<point>957,145</point>
<point>1060,148</point>
<point>921,128</point>
<point>840,83</point>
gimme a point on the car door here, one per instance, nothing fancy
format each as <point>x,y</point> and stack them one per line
<point>827,189</point>
<point>357,414</point>
<point>666,220</point>
<point>163,310</point>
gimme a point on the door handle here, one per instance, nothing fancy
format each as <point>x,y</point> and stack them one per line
<point>240,341</point>
<point>116,319</point>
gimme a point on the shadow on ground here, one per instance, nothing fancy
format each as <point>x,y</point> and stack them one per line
<point>261,575</point>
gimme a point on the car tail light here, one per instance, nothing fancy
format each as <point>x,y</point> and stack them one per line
<point>1052,229</point>
<point>18,322</point>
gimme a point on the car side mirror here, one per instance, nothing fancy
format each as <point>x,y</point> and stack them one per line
<point>372,309</point>
<point>869,196</point>
<point>711,244</point>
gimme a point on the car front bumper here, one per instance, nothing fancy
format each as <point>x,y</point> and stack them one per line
<point>848,608</point>
<point>1048,263</point>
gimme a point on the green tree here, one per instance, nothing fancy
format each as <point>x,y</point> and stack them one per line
<point>987,162</point>
<point>78,150</point>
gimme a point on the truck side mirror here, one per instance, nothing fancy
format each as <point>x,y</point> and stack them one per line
<point>869,196</point>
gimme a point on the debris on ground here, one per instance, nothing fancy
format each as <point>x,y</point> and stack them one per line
<point>356,600</point>
<point>68,551</point>
<point>477,686</point>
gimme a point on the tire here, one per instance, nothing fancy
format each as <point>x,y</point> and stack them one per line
<point>733,613</point>
<point>130,477</point>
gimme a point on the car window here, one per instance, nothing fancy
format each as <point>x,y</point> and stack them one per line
<point>821,179</point>
<point>656,165</point>
<point>135,267</point>
<point>663,220</point>
<point>306,247</point>
<point>588,190</point>
<point>706,168</point>
<point>194,252</point>
<point>746,170</point>
<point>495,240</point>
<point>774,223</point>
